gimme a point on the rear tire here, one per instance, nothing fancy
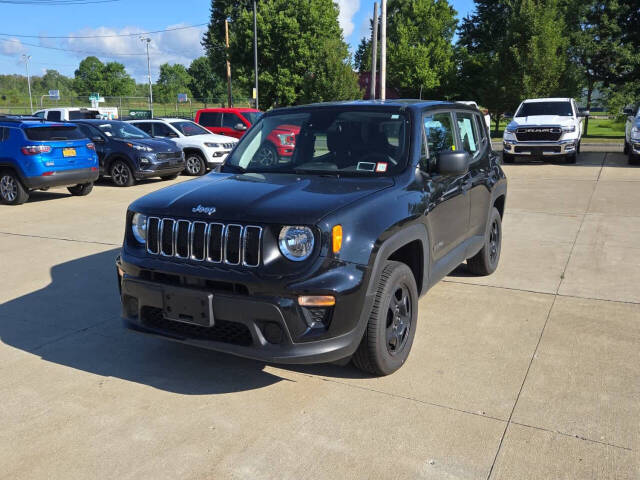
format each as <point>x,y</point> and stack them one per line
<point>121,174</point>
<point>392,323</point>
<point>11,190</point>
<point>508,158</point>
<point>81,190</point>
<point>486,260</point>
<point>194,165</point>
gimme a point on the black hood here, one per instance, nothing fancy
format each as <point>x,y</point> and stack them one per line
<point>259,198</point>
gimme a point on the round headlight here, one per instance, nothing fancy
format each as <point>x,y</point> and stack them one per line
<point>296,243</point>
<point>139,227</point>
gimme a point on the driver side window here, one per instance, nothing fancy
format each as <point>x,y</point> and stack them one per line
<point>438,132</point>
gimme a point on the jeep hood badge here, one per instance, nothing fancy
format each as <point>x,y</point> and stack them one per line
<point>201,209</point>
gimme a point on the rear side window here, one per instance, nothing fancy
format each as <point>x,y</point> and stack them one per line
<point>210,119</point>
<point>54,116</point>
<point>144,126</point>
<point>83,114</point>
<point>43,134</point>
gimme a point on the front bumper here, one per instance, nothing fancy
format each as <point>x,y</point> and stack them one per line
<point>217,158</point>
<point>159,170</point>
<point>269,327</point>
<point>540,149</point>
<point>63,178</point>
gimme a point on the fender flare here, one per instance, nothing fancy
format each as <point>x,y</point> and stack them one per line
<point>416,231</point>
<point>14,167</point>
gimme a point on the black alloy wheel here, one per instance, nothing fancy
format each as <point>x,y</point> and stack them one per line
<point>121,174</point>
<point>486,260</point>
<point>267,155</point>
<point>391,327</point>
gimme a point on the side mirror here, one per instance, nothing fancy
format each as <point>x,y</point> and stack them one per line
<point>241,127</point>
<point>97,139</point>
<point>584,113</point>
<point>453,163</point>
<point>507,116</point>
<point>628,111</point>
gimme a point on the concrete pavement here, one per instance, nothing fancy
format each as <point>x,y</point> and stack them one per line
<point>533,372</point>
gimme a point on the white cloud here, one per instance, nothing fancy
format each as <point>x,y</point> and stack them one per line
<point>178,46</point>
<point>11,47</point>
<point>348,8</point>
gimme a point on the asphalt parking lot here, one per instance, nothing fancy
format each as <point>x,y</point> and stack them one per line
<point>533,372</point>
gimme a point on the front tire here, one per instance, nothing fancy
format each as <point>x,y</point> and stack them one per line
<point>81,190</point>
<point>267,155</point>
<point>571,159</point>
<point>121,174</point>
<point>486,260</point>
<point>626,148</point>
<point>633,159</point>
<point>392,324</point>
<point>11,190</point>
<point>195,165</point>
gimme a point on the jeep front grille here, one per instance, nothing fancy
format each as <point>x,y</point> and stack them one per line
<point>205,242</point>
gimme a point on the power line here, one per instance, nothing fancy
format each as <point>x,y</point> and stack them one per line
<point>114,54</point>
<point>105,36</point>
<point>55,2</point>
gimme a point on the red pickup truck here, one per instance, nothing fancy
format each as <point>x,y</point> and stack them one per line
<point>234,122</point>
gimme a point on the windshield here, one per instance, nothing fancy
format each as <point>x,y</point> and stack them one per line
<point>122,130</point>
<point>530,109</point>
<point>253,117</point>
<point>327,140</point>
<point>188,129</point>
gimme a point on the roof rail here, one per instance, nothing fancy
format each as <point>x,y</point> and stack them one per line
<point>19,118</point>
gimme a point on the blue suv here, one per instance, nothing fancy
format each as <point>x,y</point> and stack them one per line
<point>37,155</point>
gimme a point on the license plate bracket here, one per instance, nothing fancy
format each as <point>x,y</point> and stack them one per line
<point>69,152</point>
<point>187,306</point>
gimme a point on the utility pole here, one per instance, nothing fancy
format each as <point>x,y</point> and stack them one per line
<point>26,59</point>
<point>229,92</point>
<point>383,52</point>
<point>255,48</point>
<point>148,40</point>
<point>374,51</point>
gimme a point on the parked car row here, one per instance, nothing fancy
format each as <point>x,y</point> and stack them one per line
<point>632,135</point>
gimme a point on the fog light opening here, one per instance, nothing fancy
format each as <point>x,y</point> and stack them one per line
<point>272,332</point>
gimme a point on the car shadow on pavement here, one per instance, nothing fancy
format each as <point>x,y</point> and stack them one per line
<point>75,321</point>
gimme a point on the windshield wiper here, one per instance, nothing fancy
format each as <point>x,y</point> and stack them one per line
<point>321,173</point>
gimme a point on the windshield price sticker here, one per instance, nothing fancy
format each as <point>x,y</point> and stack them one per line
<point>381,167</point>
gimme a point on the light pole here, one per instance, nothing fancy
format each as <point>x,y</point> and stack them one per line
<point>26,59</point>
<point>255,48</point>
<point>148,40</point>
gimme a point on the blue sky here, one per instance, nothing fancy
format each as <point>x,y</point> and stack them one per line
<point>132,17</point>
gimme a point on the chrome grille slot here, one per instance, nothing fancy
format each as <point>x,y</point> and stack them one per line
<point>166,237</point>
<point>198,242</point>
<point>232,244</point>
<point>182,238</point>
<point>205,242</point>
<point>153,244</point>
<point>251,240</point>
<point>214,242</point>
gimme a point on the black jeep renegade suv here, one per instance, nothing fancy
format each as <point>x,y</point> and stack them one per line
<point>322,255</point>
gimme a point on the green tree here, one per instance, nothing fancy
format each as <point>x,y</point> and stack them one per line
<point>419,48</point>
<point>110,79</point>
<point>290,59</point>
<point>89,76</point>
<point>509,50</point>
<point>173,79</point>
<point>602,44</point>
<point>362,55</point>
<point>204,83</point>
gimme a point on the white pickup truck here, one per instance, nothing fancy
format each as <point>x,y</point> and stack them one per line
<point>544,127</point>
<point>66,114</point>
<point>632,135</point>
